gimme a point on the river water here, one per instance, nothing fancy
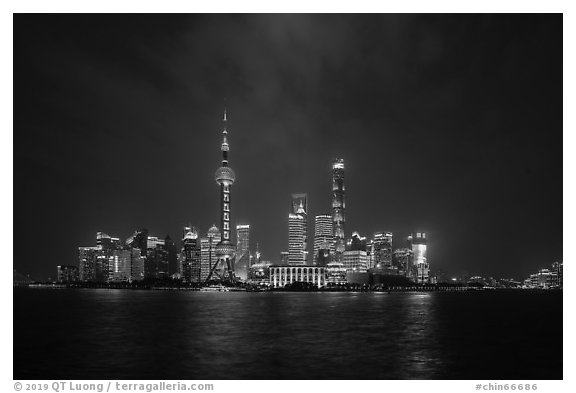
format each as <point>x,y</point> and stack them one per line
<point>142,334</point>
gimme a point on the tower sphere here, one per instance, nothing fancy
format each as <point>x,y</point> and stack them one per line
<point>224,175</point>
<point>225,250</point>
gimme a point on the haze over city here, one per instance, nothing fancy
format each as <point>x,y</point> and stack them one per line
<point>448,126</point>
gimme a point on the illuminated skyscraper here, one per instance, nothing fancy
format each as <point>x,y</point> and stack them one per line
<point>208,251</point>
<point>323,237</point>
<point>190,255</point>
<point>120,265</point>
<point>420,268</point>
<point>157,259</point>
<point>107,246</point>
<point>382,251</point>
<point>242,251</point>
<point>225,177</point>
<point>402,260</point>
<point>299,251</point>
<point>338,207</point>
<point>296,242</point>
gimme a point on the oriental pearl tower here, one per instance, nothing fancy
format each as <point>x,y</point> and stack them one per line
<point>224,176</point>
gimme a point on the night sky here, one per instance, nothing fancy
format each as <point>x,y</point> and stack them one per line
<point>449,124</point>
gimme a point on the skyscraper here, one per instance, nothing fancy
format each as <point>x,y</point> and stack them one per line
<point>338,207</point>
<point>403,260</point>
<point>136,265</point>
<point>382,249</point>
<point>157,259</point>
<point>190,255</point>
<point>208,251</point>
<point>170,248</point>
<point>107,246</point>
<point>296,243</point>
<point>120,265</point>
<point>225,177</point>
<point>87,260</point>
<point>300,208</point>
<point>242,263</point>
<point>421,268</point>
<point>323,237</point>
<point>355,260</point>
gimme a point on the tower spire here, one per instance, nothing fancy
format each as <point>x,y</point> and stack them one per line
<point>225,177</point>
<point>225,147</point>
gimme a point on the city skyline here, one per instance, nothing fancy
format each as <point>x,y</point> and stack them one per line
<point>150,164</point>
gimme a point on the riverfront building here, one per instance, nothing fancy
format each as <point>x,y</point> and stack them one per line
<point>382,251</point>
<point>190,255</point>
<point>420,269</point>
<point>259,273</point>
<point>355,261</point>
<point>296,243</point>
<point>283,275</point>
<point>87,261</point>
<point>66,274</point>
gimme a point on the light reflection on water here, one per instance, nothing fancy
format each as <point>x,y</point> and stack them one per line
<point>124,334</point>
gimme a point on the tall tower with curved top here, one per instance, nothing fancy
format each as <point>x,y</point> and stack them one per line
<point>225,177</point>
<point>338,207</point>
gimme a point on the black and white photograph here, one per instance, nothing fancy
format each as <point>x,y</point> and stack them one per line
<point>288,196</point>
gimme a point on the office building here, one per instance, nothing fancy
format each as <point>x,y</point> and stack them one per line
<point>171,249</point>
<point>323,238</point>
<point>87,263</point>
<point>338,207</point>
<point>421,268</point>
<point>355,261</point>
<point>107,242</point>
<point>356,242</point>
<point>66,274</point>
<point>242,260</point>
<point>120,266</point>
<point>139,240</point>
<point>402,260</point>
<point>296,242</point>
<point>208,251</point>
<point>191,261</point>
<point>136,265</point>
<point>382,252</point>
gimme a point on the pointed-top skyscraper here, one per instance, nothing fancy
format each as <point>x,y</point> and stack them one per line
<point>338,207</point>
<point>225,177</point>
